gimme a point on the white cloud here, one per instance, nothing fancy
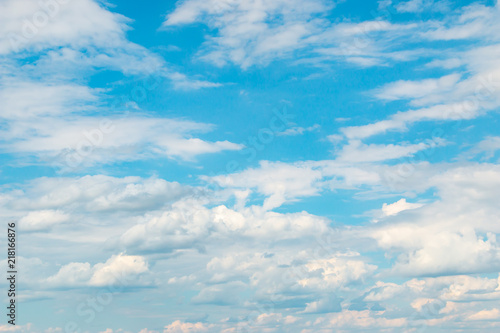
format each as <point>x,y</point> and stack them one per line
<point>120,270</point>
<point>68,39</point>
<point>245,35</point>
<point>181,327</point>
<point>274,319</point>
<point>473,21</point>
<point>417,89</point>
<point>54,124</point>
<point>398,206</point>
<point>71,34</point>
<point>97,193</point>
<point>73,23</point>
<point>418,6</point>
<point>181,81</point>
<point>221,294</point>
<point>468,92</point>
<point>337,272</point>
<point>281,182</point>
<point>190,225</point>
<point>467,109</point>
<point>72,274</point>
<point>25,100</point>
<point>445,63</point>
<point>461,223</point>
<point>17,328</point>
<point>362,319</point>
<point>356,151</point>
<point>299,130</point>
<point>384,291</point>
<point>485,149</point>
<point>325,305</point>
<point>117,269</point>
<point>492,314</point>
<point>42,220</point>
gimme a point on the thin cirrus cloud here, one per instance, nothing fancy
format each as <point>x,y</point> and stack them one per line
<point>245,36</point>
<point>456,96</point>
<point>45,124</point>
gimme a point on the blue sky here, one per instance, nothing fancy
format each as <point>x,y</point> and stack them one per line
<point>252,166</point>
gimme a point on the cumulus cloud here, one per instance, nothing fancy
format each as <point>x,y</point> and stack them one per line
<point>337,271</point>
<point>460,223</point>
<point>189,224</point>
<point>119,269</point>
<point>279,181</point>
<point>181,327</point>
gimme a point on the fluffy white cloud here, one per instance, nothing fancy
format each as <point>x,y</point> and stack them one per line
<point>382,291</point>
<point>120,270</point>
<point>189,224</point>
<point>280,182</point>
<point>42,220</point>
<point>325,305</point>
<point>77,31</point>
<point>17,328</point>
<point>39,25</point>
<point>337,271</point>
<point>456,234</point>
<point>181,327</point>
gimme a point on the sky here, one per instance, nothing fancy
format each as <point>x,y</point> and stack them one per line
<point>252,166</point>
